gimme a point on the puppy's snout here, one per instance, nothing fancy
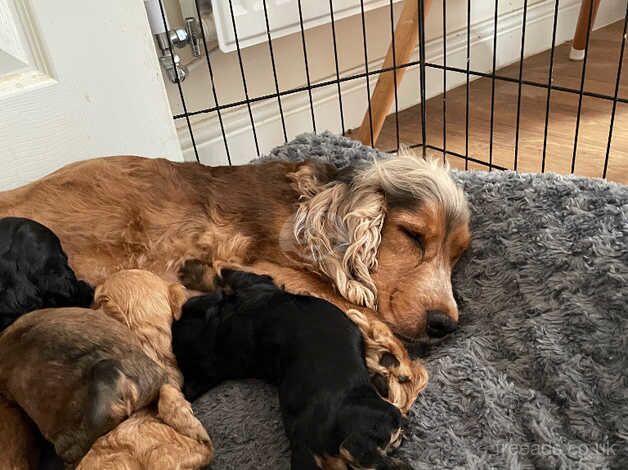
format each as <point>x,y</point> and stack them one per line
<point>439,324</point>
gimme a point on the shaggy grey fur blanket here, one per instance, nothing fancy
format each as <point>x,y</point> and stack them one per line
<point>536,376</point>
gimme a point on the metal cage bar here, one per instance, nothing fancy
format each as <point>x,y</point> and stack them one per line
<point>520,82</point>
<point>583,78</point>
<point>307,66</point>
<point>467,88</point>
<point>336,64</point>
<point>362,75</point>
<point>366,69</point>
<point>272,61</point>
<point>243,75</point>
<point>550,76</point>
<point>617,84</point>
<point>422,66</point>
<point>444,80</point>
<point>494,67</point>
<point>394,72</point>
<point>210,70</point>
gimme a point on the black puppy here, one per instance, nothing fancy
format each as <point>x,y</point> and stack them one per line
<point>310,349</point>
<point>34,272</point>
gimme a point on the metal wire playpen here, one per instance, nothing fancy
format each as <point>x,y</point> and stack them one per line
<point>394,71</point>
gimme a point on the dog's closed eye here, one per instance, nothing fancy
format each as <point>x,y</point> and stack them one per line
<point>388,361</point>
<point>416,237</point>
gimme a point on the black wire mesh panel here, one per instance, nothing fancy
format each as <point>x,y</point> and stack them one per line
<point>423,65</point>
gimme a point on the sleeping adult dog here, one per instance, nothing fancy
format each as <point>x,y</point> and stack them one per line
<point>383,236</point>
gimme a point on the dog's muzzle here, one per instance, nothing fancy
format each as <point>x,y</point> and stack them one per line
<point>439,324</point>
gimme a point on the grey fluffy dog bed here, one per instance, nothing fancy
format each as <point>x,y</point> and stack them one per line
<point>536,376</point>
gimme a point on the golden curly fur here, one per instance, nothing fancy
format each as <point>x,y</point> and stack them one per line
<point>341,227</point>
<point>147,305</point>
<point>171,438</point>
<point>405,378</point>
<point>144,442</point>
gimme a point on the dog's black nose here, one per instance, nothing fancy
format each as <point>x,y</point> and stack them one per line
<point>439,324</point>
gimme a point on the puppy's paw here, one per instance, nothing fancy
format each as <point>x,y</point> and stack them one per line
<point>199,433</point>
<point>369,428</point>
<point>176,411</point>
<point>186,423</point>
<point>365,453</point>
<point>196,275</point>
<point>195,430</point>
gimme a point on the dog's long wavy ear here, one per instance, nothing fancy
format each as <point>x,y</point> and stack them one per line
<point>177,295</point>
<point>339,224</point>
<point>104,302</point>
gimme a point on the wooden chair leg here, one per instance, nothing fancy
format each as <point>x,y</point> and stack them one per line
<point>406,39</point>
<point>580,37</point>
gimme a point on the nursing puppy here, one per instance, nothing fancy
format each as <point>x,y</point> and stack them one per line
<point>77,374</point>
<point>34,271</point>
<point>332,414</point>
<point>144,442</point>
<point>172,437</point>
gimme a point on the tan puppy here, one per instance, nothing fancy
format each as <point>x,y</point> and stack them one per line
<point>144,442</point>
<point>172,438</point>
<point>147,305</point>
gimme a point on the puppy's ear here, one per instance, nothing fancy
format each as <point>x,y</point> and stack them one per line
<point>108,306</point>
<point>178,296</point>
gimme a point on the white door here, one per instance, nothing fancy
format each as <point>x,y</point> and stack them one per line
<point>78,79</point>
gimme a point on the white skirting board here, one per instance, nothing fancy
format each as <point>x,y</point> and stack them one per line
<point>296,107</point>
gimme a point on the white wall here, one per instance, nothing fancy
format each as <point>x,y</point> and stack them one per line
<point>291,71</point>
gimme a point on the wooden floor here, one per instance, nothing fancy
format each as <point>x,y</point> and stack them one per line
<point>594,119</point>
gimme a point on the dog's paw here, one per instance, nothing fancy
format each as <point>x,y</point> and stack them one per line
<point>195,275</point>
<point>397,378</point>
<point>184,421</point>
<point>368,427</point>
<point>198,432</point>
<point>176,411</point>
<point>365,452</point>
